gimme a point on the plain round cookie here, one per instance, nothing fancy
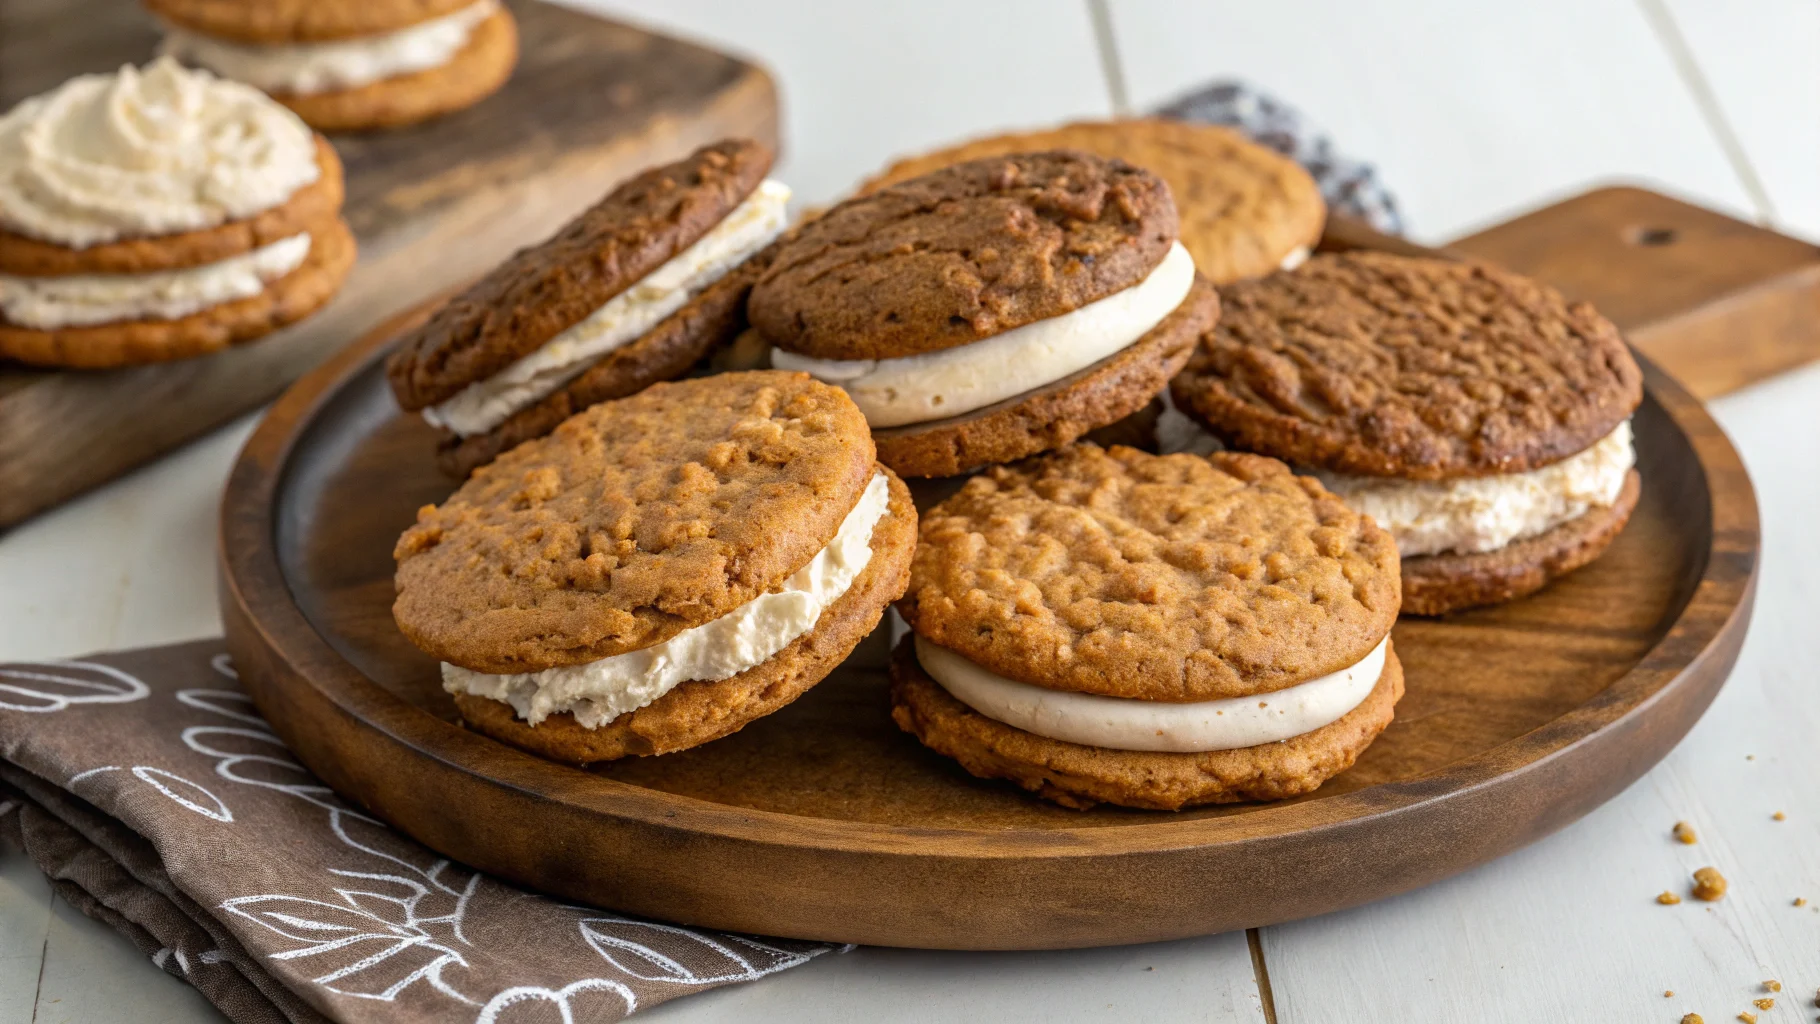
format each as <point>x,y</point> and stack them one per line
<point>1159,577</point>
<point>1243,207</point>
<point>311,205</point>
<point>478,70</point>
<point>1420,369</point>
<point>299,21</point>
<point>633,521</point>
<point>699,711</point>
<point>545,289</point>
<point>963,254</point>
<point>135,342</point>
<point>1057,413</point>
<point>1079,776</point>
<point>1438,584</point>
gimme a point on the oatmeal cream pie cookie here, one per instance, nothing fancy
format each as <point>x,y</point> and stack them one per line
<point>660,570</point>
<point>1475,414</point>
<point>160,213</point>
<point>349,65</point>
<point>990,310</point>
<point>637,289</point>
<point>1245,209</point>
<point>1157,631</point>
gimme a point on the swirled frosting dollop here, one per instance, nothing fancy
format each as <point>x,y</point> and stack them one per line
<point>147,152</point>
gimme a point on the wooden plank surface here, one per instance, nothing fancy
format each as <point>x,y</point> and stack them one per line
<point>591,102</point>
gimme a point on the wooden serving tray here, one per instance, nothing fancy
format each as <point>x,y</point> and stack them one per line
<point>591,103</point>
<point>824,821</point>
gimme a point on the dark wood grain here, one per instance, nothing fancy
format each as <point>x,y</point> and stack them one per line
<point>823,821</point>
<point>591,102</point>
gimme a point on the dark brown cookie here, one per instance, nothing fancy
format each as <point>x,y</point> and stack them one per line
<point>1382,365</point>
<point>1057,413</point>
<point>1438,584</point>
<point>542,291</point>
<point>669,350</point>
<point>1079,776</point>
<point>964,253</point>
<point>300,21</point>
<point>1158,577</point>
<point>632,522</point>
<point>697,712</point>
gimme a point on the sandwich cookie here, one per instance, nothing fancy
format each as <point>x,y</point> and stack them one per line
<point>638,289</point>
<point>990,310</point>
<point>660,570</point>
<point>161,213</point>
<point>1476,415</point>
<point>348,65</point>
<point>1157,631</point>
<point>1245,210</point>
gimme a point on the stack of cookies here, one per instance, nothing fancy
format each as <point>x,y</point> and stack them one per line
<point>638,289</point>
<point>158,214</point>
<point>347,65</point>
<point>991,309</point>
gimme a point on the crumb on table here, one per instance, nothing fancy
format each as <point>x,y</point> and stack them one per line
<point>1778,816</point>
<point>1693,1018</point>
<point>1747,1017</point>
<point>1709,884</point>
<point>1668,899</point>
<point>1765,1003</point>
<point>1800,901</point>
<point>1670,994</point>
<point>1772,985</point>
<point>1685,832</point>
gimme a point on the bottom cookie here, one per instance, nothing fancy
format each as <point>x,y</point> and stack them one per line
<point>1438,584</point>
<point>1080,776</point>
<point>698,712</point>
<point>473,74</point>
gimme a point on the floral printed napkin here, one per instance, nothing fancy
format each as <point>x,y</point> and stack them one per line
<point>149,789</point>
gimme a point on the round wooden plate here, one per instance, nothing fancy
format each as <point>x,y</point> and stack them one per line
<point>823,821</point>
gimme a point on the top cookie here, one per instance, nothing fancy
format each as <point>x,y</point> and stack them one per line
<point>1243,207</point>
<point>299,21</point>
<point>545,289</point>
<point>1170,578</point>
<point>962,254</point>
<point>1382,365</point>
<point>634,521</point>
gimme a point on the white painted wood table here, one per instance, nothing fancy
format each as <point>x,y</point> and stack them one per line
<point>1473,112</point>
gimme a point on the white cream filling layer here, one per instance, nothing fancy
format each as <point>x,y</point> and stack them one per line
<point>1429,517</point>
<point>1297,256</point>
<point>1121,723</point>
<point>485,404</point>
<point>953,381</point>
<point>599,691</point>
<point>305,68</point>
<point>76,300</point>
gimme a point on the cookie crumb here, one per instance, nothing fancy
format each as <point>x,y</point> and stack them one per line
<point>1685,832</point>
<point>1668,899</point>
<point>1778,816</point>
<point>1670,994</point>
<point>1748,1017</point>
<point>1709,884</point>
<point>1765,1003</point>
<point>1750,757</point>
<point>1772,986</point>
<point>1693,1018</point>
<point>1800,901</point>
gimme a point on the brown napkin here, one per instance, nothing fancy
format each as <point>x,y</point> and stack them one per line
<point>148,788</point>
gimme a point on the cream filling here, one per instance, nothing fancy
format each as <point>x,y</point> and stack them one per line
<point>1122,723</point>
<point>76,300</point>
<point>600,691</point>
<point>305,68</point>
<point>485,404</point>
<point>1485,513</point>
<point>953,381</point>
<point>1297,256</point>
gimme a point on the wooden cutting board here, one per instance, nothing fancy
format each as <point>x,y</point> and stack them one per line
<point>591,102</point>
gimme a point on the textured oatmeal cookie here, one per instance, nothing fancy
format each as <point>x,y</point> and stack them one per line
<point>476,71</point>
<point>299,21</point>
<point>1383,365</point>
<point>1243,207</point>
<point>545,289</point>
<point>632,522</point>
<point>1159,577</point>
<point>963,254</point>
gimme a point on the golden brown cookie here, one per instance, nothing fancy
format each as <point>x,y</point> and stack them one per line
<point>962,254</point>
<point>1171,578</point>
<point>1079,776</point>
<point>1379,365</point>
<point>633,521</point>
<point>697,712</point>
<point>1438,584</point>
<point>1243,207</point>
<point>313,204</point>
<point>1054,415</point>
<point>299,21</point>
<point>477,71</point>
<point>284,301</point>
